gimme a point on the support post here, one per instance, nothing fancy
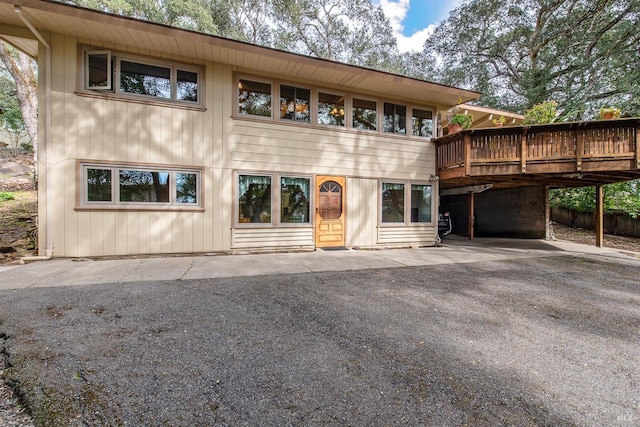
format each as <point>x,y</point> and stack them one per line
<point>599,219</point>
<point>471,213</point>
<point>547,215</point>
<point>466,142</point>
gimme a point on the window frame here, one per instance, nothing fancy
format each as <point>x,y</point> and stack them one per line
<point>433,122</point>
<point>115,203</point>
<point>236,101</point>
<point>351,115</point>
<point>295,88</point>
<point>276,202</point>
<point>114,60</point>
<point>407,110</point>
<point>345,107</point>
<point>407,222</point>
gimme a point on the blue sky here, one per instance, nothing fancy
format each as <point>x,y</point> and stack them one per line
<point>413,20</point>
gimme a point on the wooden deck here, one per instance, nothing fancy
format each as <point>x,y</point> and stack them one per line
<point>571,154</point>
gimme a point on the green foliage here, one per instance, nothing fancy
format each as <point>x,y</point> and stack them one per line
<point>10,115</point>
<point>545,112</point>
<point>609,111</point>
<point>464,120</point>
<point>519,53</point>
<point>5,196</point>
<point>618,197</point>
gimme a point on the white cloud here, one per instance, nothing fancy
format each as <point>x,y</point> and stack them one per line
<point>396,12</point>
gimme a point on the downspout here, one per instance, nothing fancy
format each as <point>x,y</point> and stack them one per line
<point>47,140</point>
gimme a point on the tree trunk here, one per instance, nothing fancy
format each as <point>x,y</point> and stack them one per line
<point>21,68</point>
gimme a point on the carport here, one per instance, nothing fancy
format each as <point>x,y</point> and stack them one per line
<point>524,163</point>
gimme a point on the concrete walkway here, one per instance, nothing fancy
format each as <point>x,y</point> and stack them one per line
<point>69,272</point>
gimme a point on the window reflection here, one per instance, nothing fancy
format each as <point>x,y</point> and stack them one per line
<point>294,199</point>
<point>144,79</point>
<point>392,202</point>
<point>330,109</point>
<point>254,199</point>
<point>365,115</point>
<point>144,186</point>
<point>254,98</point>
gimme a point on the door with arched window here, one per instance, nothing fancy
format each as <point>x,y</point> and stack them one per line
<point>330,211</point>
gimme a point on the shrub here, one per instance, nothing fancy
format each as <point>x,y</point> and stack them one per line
<point>545,112</point>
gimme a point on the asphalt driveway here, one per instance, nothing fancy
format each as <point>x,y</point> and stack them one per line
<point>537,341</point>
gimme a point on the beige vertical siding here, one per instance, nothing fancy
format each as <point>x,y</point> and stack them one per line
<point>97,129</point>
<point>362,212</point>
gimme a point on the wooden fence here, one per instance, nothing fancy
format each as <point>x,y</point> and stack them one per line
<point>617,223</point>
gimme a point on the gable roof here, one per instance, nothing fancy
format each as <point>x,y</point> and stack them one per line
<point>51,16</point>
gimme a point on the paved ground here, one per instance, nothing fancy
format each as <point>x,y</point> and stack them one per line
<point>520,333</point>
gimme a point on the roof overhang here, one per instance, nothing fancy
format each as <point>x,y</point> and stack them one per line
<point>86,24</point>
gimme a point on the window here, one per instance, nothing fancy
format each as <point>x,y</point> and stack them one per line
<point>395,118</point>
<point>392,202</point>
<point>273,199</point>
<point>254,98</point>
<point>99,72</point>
<point>422,123</point>
<point>129,75</point>
<point>330,109</point>
<point>295,103</point>
<point>365,115</point>
<point>127,186</point>
<point>396,200</point>
<point>420,203</point>
<point>294,200</point>
<point>254,199</point>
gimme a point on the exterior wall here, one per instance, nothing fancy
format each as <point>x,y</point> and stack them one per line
<point>99,129</point>
<point>516,212</point>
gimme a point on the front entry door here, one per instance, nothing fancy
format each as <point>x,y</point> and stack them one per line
<point>330,211</point>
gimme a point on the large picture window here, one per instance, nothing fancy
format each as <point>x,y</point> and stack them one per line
<point>273,199</point>
<point>129,75</point>
<point>122,186</point>
<point>397,198</point>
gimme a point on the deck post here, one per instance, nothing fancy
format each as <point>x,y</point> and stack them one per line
<point>471,213</point>
<point>599,219</point>
<point>579,149</point>
<point>523,152</point>
<point>466,142</point>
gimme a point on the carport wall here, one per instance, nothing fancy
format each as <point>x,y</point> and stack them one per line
<point>515,212</point>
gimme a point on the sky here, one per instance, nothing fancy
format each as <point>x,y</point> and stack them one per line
<point>413,20</point>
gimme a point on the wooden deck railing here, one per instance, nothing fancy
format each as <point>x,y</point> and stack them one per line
<point>575,142</point>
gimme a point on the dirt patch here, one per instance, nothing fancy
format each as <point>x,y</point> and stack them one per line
<point>18,206</point>
<point>588,237</point>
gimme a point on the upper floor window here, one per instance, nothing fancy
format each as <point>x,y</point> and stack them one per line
<point>254,98</point>
<point>126,74</point>
<point>295,103</point>
<point>421,123</point>
<point>395,118</point>
<point>330,109</point>
<point>365,114</point>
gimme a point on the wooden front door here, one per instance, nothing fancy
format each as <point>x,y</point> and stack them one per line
<point>330,211</point>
